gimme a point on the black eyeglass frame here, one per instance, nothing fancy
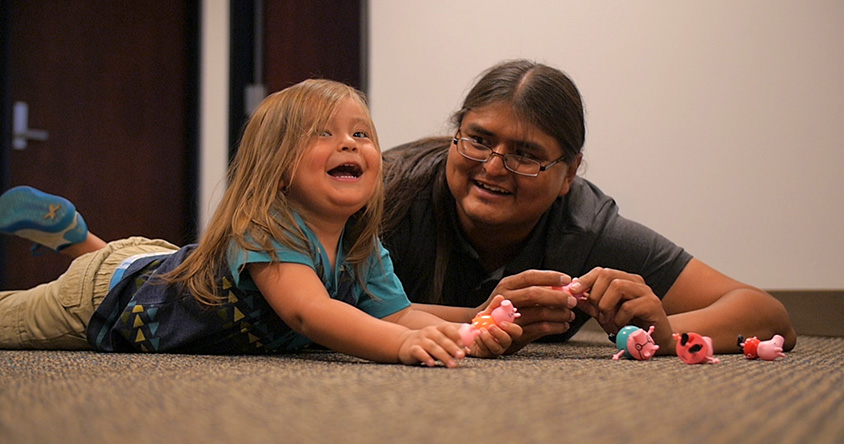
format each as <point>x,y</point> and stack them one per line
<point>521,159</point>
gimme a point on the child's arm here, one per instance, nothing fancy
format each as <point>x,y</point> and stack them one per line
<point>300,299</point>
<point>545,310</point>
<point>449,313</point>
<point>492,342</point>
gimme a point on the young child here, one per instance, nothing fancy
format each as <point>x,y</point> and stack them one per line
<point>290,257</point>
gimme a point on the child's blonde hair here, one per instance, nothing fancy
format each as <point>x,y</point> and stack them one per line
<point>254,210</point>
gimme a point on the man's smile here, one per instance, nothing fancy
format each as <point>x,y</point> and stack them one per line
<point>491,188</point>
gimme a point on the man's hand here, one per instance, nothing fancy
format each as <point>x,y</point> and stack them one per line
<point>616,299</point>
<point>544,310</point>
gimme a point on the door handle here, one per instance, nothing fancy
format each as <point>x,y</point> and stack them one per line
<point>21,133</point>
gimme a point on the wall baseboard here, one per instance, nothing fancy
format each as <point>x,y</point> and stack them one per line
<point>812,312</point>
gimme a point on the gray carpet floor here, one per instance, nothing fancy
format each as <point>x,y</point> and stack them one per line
<point>570,392</point>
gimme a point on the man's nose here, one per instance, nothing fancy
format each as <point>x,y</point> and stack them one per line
<point>494,165</point>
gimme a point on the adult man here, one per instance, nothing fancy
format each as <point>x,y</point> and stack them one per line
<point>483,212</point>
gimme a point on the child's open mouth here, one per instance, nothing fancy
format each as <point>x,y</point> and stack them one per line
<point>347,170</point>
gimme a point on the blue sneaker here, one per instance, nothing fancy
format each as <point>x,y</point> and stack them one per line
<point>45,219</point>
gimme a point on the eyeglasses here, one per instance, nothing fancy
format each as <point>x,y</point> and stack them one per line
<point>521,165</point>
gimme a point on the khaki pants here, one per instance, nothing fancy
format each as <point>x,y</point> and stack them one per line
<point>55,315</point>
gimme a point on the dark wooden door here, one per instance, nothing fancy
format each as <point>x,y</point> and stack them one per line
<point>298,40</point>
<point>316,38</point>
<point>114,85</point>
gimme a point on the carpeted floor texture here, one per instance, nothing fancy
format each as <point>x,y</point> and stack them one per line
<point>555,393</point>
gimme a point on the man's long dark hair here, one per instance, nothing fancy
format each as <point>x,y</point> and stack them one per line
<point>408,170</point>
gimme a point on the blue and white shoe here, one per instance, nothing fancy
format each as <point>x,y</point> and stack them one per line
<point>45,219</point>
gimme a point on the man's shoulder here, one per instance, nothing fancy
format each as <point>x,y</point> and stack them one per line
<point>415,161</point>
<point>426,145</point>
<point>410,172</point>
<point>586,206</point>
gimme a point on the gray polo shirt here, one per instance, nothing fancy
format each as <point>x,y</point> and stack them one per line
<point>580,231</point>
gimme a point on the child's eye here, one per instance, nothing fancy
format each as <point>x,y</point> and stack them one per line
<point>362,134</point>
<point>325,133</point>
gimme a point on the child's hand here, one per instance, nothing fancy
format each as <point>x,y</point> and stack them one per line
<point>497,339</point>
<point>431,344</point>
<point>545,310</point>
<point>616,299</point>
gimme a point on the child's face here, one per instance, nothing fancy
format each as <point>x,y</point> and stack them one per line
<point>340,169</point>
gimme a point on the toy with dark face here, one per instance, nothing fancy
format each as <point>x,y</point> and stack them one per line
<point>693,348</point>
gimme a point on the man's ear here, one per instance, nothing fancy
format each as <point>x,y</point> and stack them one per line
<point>571,173</point>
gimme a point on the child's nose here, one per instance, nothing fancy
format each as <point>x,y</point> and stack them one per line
<point>349,144</point>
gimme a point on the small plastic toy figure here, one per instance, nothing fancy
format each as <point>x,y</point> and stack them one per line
<point>565,288</point>
<point>748,346</point>
<point>767,350</point>
<point>635,343</point>
<point>504,312</point>
<point>693,348</point>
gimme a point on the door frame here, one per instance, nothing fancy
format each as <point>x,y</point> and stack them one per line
<point>5,120</point>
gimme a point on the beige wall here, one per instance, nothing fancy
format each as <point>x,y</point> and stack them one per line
<point>718,123</point>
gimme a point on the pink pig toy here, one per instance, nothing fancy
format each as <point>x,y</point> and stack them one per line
<point>504,312</point>
<point>748,347</point>
<point>767,350</point>
<point>693,348</point>
<point>635,343</point>
<point>565,288</point>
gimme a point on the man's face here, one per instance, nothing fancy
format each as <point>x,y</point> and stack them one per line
<point>488,195</point>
